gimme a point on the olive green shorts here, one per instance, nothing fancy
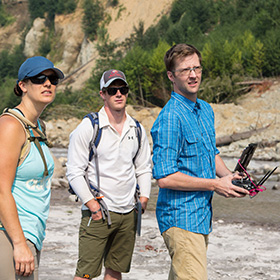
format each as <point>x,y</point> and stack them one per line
<point>98,241</point>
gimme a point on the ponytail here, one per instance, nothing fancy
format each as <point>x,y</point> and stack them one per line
<point>17,90</point>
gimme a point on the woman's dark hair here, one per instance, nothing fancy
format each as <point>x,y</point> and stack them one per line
<point>17,89</point>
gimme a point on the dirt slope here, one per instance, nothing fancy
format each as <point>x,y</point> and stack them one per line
<point>130,13</point>
<point>124,18</point>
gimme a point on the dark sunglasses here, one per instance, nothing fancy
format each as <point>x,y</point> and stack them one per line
<point>41,79</point>
<point>113,90</point>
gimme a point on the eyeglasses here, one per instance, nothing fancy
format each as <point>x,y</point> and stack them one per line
<point>113,90</point>
<point>187,71</point>
<point>41,79</point>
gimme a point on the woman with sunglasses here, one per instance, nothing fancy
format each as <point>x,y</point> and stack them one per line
<point>25,184</point>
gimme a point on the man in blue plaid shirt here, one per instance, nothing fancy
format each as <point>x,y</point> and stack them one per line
<point>186,162</point>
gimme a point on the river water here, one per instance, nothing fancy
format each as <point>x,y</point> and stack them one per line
<point>263,209</point>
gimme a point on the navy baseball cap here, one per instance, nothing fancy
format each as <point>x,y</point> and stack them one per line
<point>34,66</point>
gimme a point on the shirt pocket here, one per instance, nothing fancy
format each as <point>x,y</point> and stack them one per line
<point>192,145</point>
<point>190,160</point>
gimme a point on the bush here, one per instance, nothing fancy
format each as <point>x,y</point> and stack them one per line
<point>66,6</point>
<point>70,103</point>
<point>113,3</point>
<point>38,8</point>
<point>272,53</point>
<point>45,44</point>
<point>10,63</point>
<point>8,98</point>
<point>4,17</point>
<point>63,111</point>
<point>220,89</point>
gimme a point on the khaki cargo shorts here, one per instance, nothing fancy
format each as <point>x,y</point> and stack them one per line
<point>188,254</point>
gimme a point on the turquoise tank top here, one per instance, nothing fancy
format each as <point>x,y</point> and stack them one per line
<point>32,192</point>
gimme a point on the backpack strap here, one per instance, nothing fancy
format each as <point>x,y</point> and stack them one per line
<point>139,137</point>
<point>26,147</point>
<point>92,146</point>
<point>97,131</point>
<point>28,124</point>
<point>138,205</point>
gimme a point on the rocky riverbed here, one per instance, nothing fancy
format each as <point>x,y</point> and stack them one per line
<point>243,244</point>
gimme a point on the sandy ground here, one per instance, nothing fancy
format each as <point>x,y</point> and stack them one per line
<point>244,244</point>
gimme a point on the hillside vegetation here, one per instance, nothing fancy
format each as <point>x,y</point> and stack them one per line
<point>239,41</point>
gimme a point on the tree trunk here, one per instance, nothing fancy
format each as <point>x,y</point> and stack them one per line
<point>228,139</point>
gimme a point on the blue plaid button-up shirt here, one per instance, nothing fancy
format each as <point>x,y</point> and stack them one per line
<point>184,141</point>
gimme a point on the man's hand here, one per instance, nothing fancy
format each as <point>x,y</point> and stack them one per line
<point>224,186</point>
<point>24,260</point>
<point>95,209</point>
<point>144,202</point>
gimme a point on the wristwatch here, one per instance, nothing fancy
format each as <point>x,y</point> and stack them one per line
<point>95,212</point>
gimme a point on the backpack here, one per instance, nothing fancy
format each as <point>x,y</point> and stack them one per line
<point>29,138</point>
<point>97,132</point>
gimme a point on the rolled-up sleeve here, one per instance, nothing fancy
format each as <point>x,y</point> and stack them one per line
<point>166,145</point>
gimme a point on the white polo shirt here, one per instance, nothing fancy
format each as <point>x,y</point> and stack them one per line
<point>117,172</point>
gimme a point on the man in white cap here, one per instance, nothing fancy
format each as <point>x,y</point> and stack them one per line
<point>123,163</point>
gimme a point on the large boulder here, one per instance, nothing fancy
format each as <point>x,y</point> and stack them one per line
<point>34,37</point>
<point>71,39</point>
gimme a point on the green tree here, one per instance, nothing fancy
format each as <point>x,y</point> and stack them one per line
<point>5,18</point>
<point>159,88</point>
<point>135,65</point>
<point>272,53</point>
<point>136,37</point>
<point>93,14</point>
<point>41,8</point>
<point>65,6</point>
<point>113,3</point>
<point>8,98</point>
<point>10,63</point>
<point>252,54</point>
<point>220,89</point>
<point>258,59</point>
<point>156,33</point>
<point>108,57</point>
<point>37,8</point>
<point>177,10</point>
